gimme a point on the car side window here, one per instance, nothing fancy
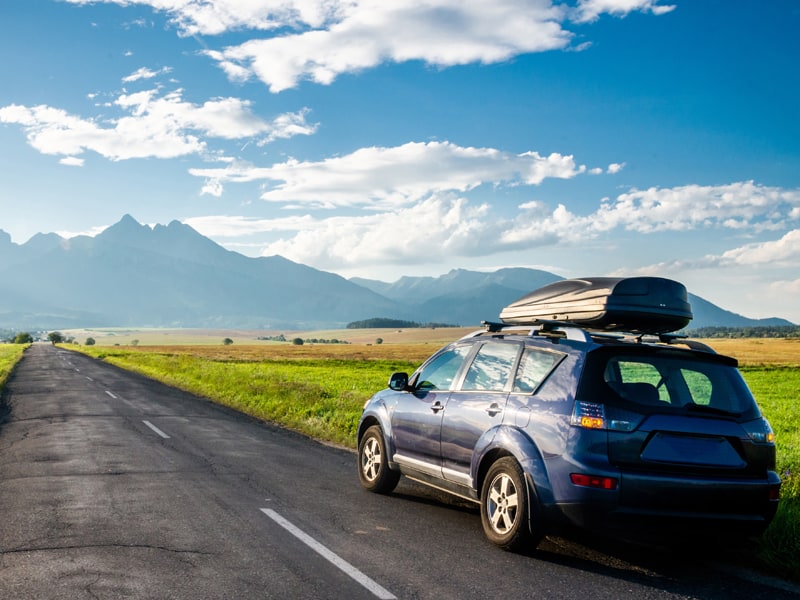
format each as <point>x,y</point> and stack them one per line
<point>534,366</point>
<point>440,372</point>
<point>491,368</point>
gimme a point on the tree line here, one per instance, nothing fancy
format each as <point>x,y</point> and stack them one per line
<point>384,323</point>
<point>776,331</point>
<point>25,337</point>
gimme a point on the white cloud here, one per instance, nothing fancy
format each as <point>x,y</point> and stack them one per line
<point>435,227</point>
<point>451,228</point>
<point>92,232</point>
<point>221,226</point>
<point>318,40</point>
<point>367,33</point>
<point>213,17</point>
<point>782,252</point>
<point>786,288</point>
<point>145,73</point>
<point>151,126</point>
<point>741,205</point>
<point>744,277</point>
<point>397,175</point>
<point>590,10</point>
<point>71,161</point>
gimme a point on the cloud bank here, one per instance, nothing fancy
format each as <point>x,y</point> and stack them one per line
<point>319,40</point>
<point>152,125</point>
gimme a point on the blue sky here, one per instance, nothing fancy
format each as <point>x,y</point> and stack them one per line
<point>385,138</point>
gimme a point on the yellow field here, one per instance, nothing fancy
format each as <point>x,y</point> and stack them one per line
<point>212,337</point>
<point>760,351</point>
<point>405,344</point>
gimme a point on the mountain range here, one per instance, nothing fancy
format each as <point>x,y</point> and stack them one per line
<point>134,275</point>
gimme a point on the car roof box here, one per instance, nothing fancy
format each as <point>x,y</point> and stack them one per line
<point>633,304</point>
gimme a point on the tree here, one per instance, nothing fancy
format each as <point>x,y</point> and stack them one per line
<point>297,341</point>
<point>23,337</point>
<point>55,337</point>
<point>378,340</point>
<point>90,341</point>
<point>227,341</point>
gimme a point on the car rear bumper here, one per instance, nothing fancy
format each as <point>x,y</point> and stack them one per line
<point>659,505</point>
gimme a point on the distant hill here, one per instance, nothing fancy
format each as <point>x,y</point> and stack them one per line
<point>461,297</point>
<point>468,297</point>
<point>132,275</point>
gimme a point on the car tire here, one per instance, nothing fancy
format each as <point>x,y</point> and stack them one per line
<point>506,507</point>
<point>373,465</point>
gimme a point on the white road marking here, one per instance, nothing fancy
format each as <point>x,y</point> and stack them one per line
<point>331,557</point>
<point>156,429</point>
<point>89,378</point>
<point>111,394</point>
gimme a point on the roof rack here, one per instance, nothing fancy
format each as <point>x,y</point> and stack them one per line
<point>554,329</point>
<point>574,332</point>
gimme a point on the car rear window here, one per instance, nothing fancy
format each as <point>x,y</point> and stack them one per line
<point>654,379</point>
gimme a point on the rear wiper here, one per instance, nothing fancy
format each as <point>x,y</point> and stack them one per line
<point>710,409</point>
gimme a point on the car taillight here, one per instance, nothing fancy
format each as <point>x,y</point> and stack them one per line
<point>589,415</point>
<point>760,431</point>
<point>593,481</point>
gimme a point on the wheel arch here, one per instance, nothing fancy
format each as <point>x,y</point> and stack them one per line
<point>378,415</point>
<point>514,443</point>
<point>511,441</point>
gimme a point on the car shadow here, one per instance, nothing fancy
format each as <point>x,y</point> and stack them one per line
<point>705,571</point>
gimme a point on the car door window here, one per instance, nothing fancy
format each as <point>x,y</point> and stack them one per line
<point>491,368</point>
<point>534,366</point>
<point>440,372</point>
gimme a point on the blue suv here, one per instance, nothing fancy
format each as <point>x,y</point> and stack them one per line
<point>553,424</point>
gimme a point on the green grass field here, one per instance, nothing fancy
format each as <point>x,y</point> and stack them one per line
<point>10,354</point>
<point>320,390</point>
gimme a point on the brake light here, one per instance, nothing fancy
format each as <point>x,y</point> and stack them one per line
<point>760,431</point>
<point>593,481</point>
<point>589,415</point>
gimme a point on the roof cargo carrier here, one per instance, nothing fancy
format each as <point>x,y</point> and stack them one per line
<point>647,305</point>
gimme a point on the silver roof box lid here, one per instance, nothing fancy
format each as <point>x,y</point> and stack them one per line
<point>649,305</point>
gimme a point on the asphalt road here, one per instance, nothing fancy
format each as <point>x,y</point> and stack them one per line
<point>114,486</point>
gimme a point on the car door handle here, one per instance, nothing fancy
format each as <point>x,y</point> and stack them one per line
<point>493,409</point>
<point>437,406</point>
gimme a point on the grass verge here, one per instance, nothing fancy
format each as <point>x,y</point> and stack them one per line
<point>777,390</point>
<point>10,355</point>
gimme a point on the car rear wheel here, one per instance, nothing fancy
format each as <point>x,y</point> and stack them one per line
<point>373,468</point>
<point>505,506</point>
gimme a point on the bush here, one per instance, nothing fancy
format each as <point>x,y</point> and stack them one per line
<point>297,341</point>
<point>90,341</point>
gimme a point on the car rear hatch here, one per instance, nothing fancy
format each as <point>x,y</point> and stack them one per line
<point>683,429</point>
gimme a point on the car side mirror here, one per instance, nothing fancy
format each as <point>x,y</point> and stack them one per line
<point>398,382</point>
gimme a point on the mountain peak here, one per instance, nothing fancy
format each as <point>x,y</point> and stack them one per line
<point>127,229</point>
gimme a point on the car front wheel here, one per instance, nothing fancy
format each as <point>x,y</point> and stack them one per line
<point>373,468</point>
<point>505,506</point>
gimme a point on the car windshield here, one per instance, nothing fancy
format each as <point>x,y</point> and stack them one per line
<point>664,379</point>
